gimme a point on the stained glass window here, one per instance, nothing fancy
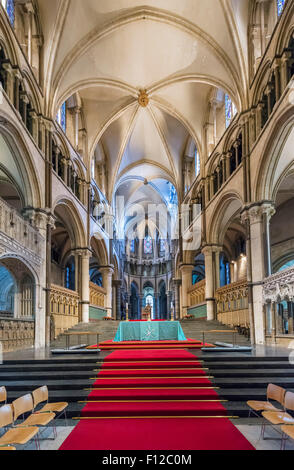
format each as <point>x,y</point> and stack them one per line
<point>132,246</point>
<point>148,245</point>
<point>197,163</point>
<point>231,110</point>
<point>173,197</point>
<point>162,245</point>
<point>9,6</point>
<point>280,6</point>
<point>61,117</point>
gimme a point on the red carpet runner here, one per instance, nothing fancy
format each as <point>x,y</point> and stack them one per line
<point>154,400</point>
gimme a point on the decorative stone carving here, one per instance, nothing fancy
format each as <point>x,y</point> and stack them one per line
<point>279,287</point>
<point>143,98</point>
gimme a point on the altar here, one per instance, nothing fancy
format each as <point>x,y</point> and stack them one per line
<point>150,331</point>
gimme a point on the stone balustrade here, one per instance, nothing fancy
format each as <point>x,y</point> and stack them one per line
<point>279,287</point>
<point>196,293</point>
<point>17,234</point>
<point>16,334</point>
<point>232,304</point>
<point>97,295</point>
<point>64,310</point>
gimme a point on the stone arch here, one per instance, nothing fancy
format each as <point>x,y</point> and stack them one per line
<point>23,164</point>
<point>228,208</point>
<point>99,248</point>
<point>276,162</point>
<point>70,216</point>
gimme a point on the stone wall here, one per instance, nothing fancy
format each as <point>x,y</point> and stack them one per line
<point>16,334</point>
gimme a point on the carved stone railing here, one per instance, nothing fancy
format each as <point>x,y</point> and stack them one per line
<point>64,309</point>
<point>16,334</point>
<point>97,295</point>
<point>232,304</point>
<point>197,293</point>
<point>17,234</point>
<point>279,287</point>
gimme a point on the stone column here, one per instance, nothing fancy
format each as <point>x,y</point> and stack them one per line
<point>118,285</point>
<point>276,67</point>
<point>169,304</point>
<point>9,80</point>
<point>258,264</point>
<point>177,311</point>
<point>285,70</point>
<point>30,13</point>
<point>107,273</point>
<point>156,306</point>
<point>85,285</point>
<point>209,277</point>
<point>228,165</point>
<point>186,272</point>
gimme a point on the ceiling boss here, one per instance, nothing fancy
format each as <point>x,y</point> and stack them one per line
<point>143,98</point>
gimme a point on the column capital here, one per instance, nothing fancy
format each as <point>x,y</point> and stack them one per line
<point>177,282</point>
<point>186,268</point>
<point>209,249</point>
<point>255,212</point>
<point>84,252</point>
<point>107,269</point>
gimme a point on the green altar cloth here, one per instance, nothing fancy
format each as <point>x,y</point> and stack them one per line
<point>150,331</point>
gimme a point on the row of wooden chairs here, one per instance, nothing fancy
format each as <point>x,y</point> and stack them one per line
<point>276,415</point>
<point>41,414</point>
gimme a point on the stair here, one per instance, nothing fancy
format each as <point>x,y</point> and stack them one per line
<point>238,378</point>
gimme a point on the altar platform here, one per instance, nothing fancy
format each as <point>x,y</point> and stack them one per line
<point>149,331</point>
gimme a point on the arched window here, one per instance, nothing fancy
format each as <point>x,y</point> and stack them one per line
<point>9,6</point>
<point>197,163</point>
<point>280,6</point>
<point>61,117</point>
<point>231,110</point>
<point>132,246</point>
<point>162,246</point>
<point>289,264</point>
<point>148,249</point>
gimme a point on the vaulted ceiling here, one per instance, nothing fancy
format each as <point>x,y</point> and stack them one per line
<point>176,50</point>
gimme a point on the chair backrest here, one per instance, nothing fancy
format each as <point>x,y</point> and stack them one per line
<point>289,401</point>
<point>6,415</point>
<point>276,393</point>
<point>3,395</point>
<point>40,395</point>
<point>22,405</point>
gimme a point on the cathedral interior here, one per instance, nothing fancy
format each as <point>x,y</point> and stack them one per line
<point>146,165</point>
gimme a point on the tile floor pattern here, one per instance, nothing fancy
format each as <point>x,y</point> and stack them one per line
<point>252,434</point>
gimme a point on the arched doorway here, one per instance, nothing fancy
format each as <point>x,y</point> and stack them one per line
<point>17,290</point>
<point>134,313</point>
<point>163,313</point>
<point>148,293</point>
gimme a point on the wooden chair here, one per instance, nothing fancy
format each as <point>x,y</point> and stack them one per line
<point>3,395</point>
<point>24,405</point>
<point>276,418</point>
<point>275,393</point>
<point>15,436</point>
<point>288,431</point>
<point>41,395</point>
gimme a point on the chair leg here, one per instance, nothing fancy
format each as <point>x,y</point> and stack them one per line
<point>262,431</point>
<point>37,442</point>
<point>283,442</point>
<point>65,415</point>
